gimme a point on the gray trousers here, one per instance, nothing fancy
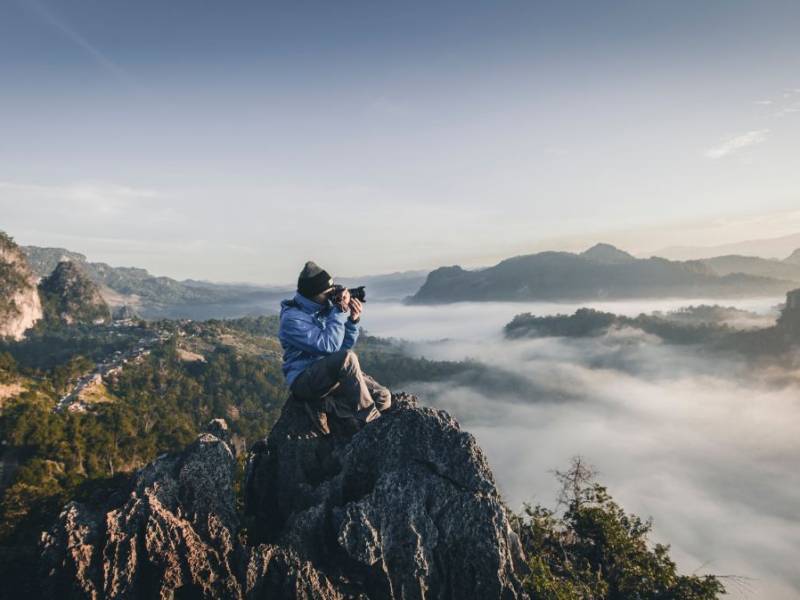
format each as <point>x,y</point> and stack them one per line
<point>346,390</point>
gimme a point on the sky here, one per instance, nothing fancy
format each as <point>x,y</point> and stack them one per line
<point>234,141</point>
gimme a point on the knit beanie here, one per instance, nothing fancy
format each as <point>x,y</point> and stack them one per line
<point>313,280</point>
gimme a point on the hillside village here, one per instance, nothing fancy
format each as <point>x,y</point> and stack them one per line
<point>89,386</point>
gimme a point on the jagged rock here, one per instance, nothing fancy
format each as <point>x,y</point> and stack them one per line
<point>219,428</point>
<point>277,574</point>
<point>405,508</point>
<point>173,534</point>
<point>20,306</point>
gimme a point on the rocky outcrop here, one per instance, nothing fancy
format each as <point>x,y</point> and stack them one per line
<point>789,320</point>
<point>404,508</point>
<point>174,533</point>
<point>20,306</point>
<point>70,297</point>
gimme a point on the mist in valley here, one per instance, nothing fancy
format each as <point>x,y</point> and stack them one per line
<point>705,444</point>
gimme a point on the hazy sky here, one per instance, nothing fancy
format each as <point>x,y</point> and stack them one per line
<point>232,141</point>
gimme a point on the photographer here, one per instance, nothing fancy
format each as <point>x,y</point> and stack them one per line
<point>318,328</point>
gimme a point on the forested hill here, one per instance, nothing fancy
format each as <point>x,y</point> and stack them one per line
<point>600,272</point>
<point>712,328</point>
<point>68,296</point>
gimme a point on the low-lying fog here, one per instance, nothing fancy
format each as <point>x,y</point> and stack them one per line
<point>706,447</point>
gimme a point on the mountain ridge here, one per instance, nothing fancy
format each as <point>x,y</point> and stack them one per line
<point>608,254</point>
<point>158,296</point>
<point>601,272</point>
<point>763,247</point>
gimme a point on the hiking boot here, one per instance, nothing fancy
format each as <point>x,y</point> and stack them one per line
<point>319,419</point>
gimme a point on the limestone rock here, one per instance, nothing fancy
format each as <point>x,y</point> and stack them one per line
<point>174,534</point>
<point>20,306</point>
<point>405,508</point>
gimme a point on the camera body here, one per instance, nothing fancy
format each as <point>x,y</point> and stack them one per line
<point>357,292</point>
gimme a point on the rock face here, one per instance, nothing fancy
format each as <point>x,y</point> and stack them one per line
<point>20,306</point>
<point>173,534</point>
<point>71,297</point>
<point>405,508</point>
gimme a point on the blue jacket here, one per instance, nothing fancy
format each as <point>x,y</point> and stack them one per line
<point>309,331</point>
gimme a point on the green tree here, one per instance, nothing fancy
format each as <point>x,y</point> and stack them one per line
<point>8,367</point>
<point>597,551</point>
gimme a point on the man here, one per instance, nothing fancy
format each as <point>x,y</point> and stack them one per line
<point>321,369</point>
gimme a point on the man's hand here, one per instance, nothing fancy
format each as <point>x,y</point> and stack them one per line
<point>345,303</point>
<point>355,309</point>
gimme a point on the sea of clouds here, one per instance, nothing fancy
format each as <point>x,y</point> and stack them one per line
<point>706,445</point>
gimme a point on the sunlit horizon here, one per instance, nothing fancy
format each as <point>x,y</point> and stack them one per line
<point>232,145</point>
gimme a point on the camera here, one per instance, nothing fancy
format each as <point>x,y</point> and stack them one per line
<point>357,292</point>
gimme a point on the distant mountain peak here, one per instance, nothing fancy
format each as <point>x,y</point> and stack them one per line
<point>793,258</point>
<point>607,254</point>
<point>71,297</point>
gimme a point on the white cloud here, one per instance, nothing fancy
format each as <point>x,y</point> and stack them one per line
<point>87,216</point>
<point>737,143</point>
<point>787,110</point>
<point>703,444</point>
<point>96,197</point>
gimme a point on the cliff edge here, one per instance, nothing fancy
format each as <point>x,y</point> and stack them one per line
<point>20,306</point>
